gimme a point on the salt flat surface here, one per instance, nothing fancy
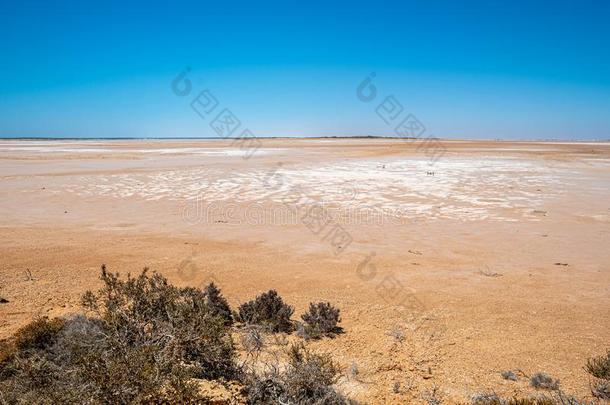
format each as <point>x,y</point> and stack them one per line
<point>65,148</point>
<point>458,188</point>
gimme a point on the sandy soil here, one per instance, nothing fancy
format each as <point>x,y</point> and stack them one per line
<point>494,256</point>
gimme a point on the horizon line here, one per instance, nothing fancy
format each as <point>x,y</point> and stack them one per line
<point>45,138</point>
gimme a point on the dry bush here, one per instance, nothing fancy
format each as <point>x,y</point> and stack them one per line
<point>38,334</point>
<point>493,399</point>
<point>398,334</point>
<point>599,367</point>
<point>557,398</point>
<point>433,396</point>
<point>267,310</point>
<point>149,312</point>
<point>253,340</point>
<point>144,341</point>
<point>509,375</point>
<point>544,381</point>
<point>308,378</point>
<point>601,389</point>
<point>486,398</point>
<point>265,387</point>
<point>7,350</point>
<point>353,371</point>
<point>321,320</point>
<point>147,343</point>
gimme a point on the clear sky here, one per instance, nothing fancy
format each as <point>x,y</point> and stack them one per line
<point>480,69</point>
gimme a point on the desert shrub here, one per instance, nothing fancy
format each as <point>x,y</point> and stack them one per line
<point>308,375</point>
<point>146,343</point>
<point>38,334</point>
<point>557,398</point>
<point>544,381</point>
<point>147,311</point>
<point>265,387</point>
<point>23,348</point>
<point>398,334</point>
<point>253,340</point>
<point>217,303</point>
<point>433,396</point>
<point>601,389</point>
<point>3,300</point>
<point>7,350</point>
<point>268,310</point>
<point>493,399</point>
<point>486,398</point>
<point>321,320</point>
<point>353,371</point>
<point>599,367</point>
<point>508,375</point>
<point>308,378</point>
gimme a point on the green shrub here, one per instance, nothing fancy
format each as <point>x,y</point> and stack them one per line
<point>267,310</point>
<point>217,303</point>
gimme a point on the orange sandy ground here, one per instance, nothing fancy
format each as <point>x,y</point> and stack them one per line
<point>473,296</point>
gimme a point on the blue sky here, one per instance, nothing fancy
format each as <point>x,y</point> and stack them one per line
<point>481,69</point>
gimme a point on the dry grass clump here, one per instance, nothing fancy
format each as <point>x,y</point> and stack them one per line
<point>321,320</point>
<point>267,310</point>
<point>544,381</point>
